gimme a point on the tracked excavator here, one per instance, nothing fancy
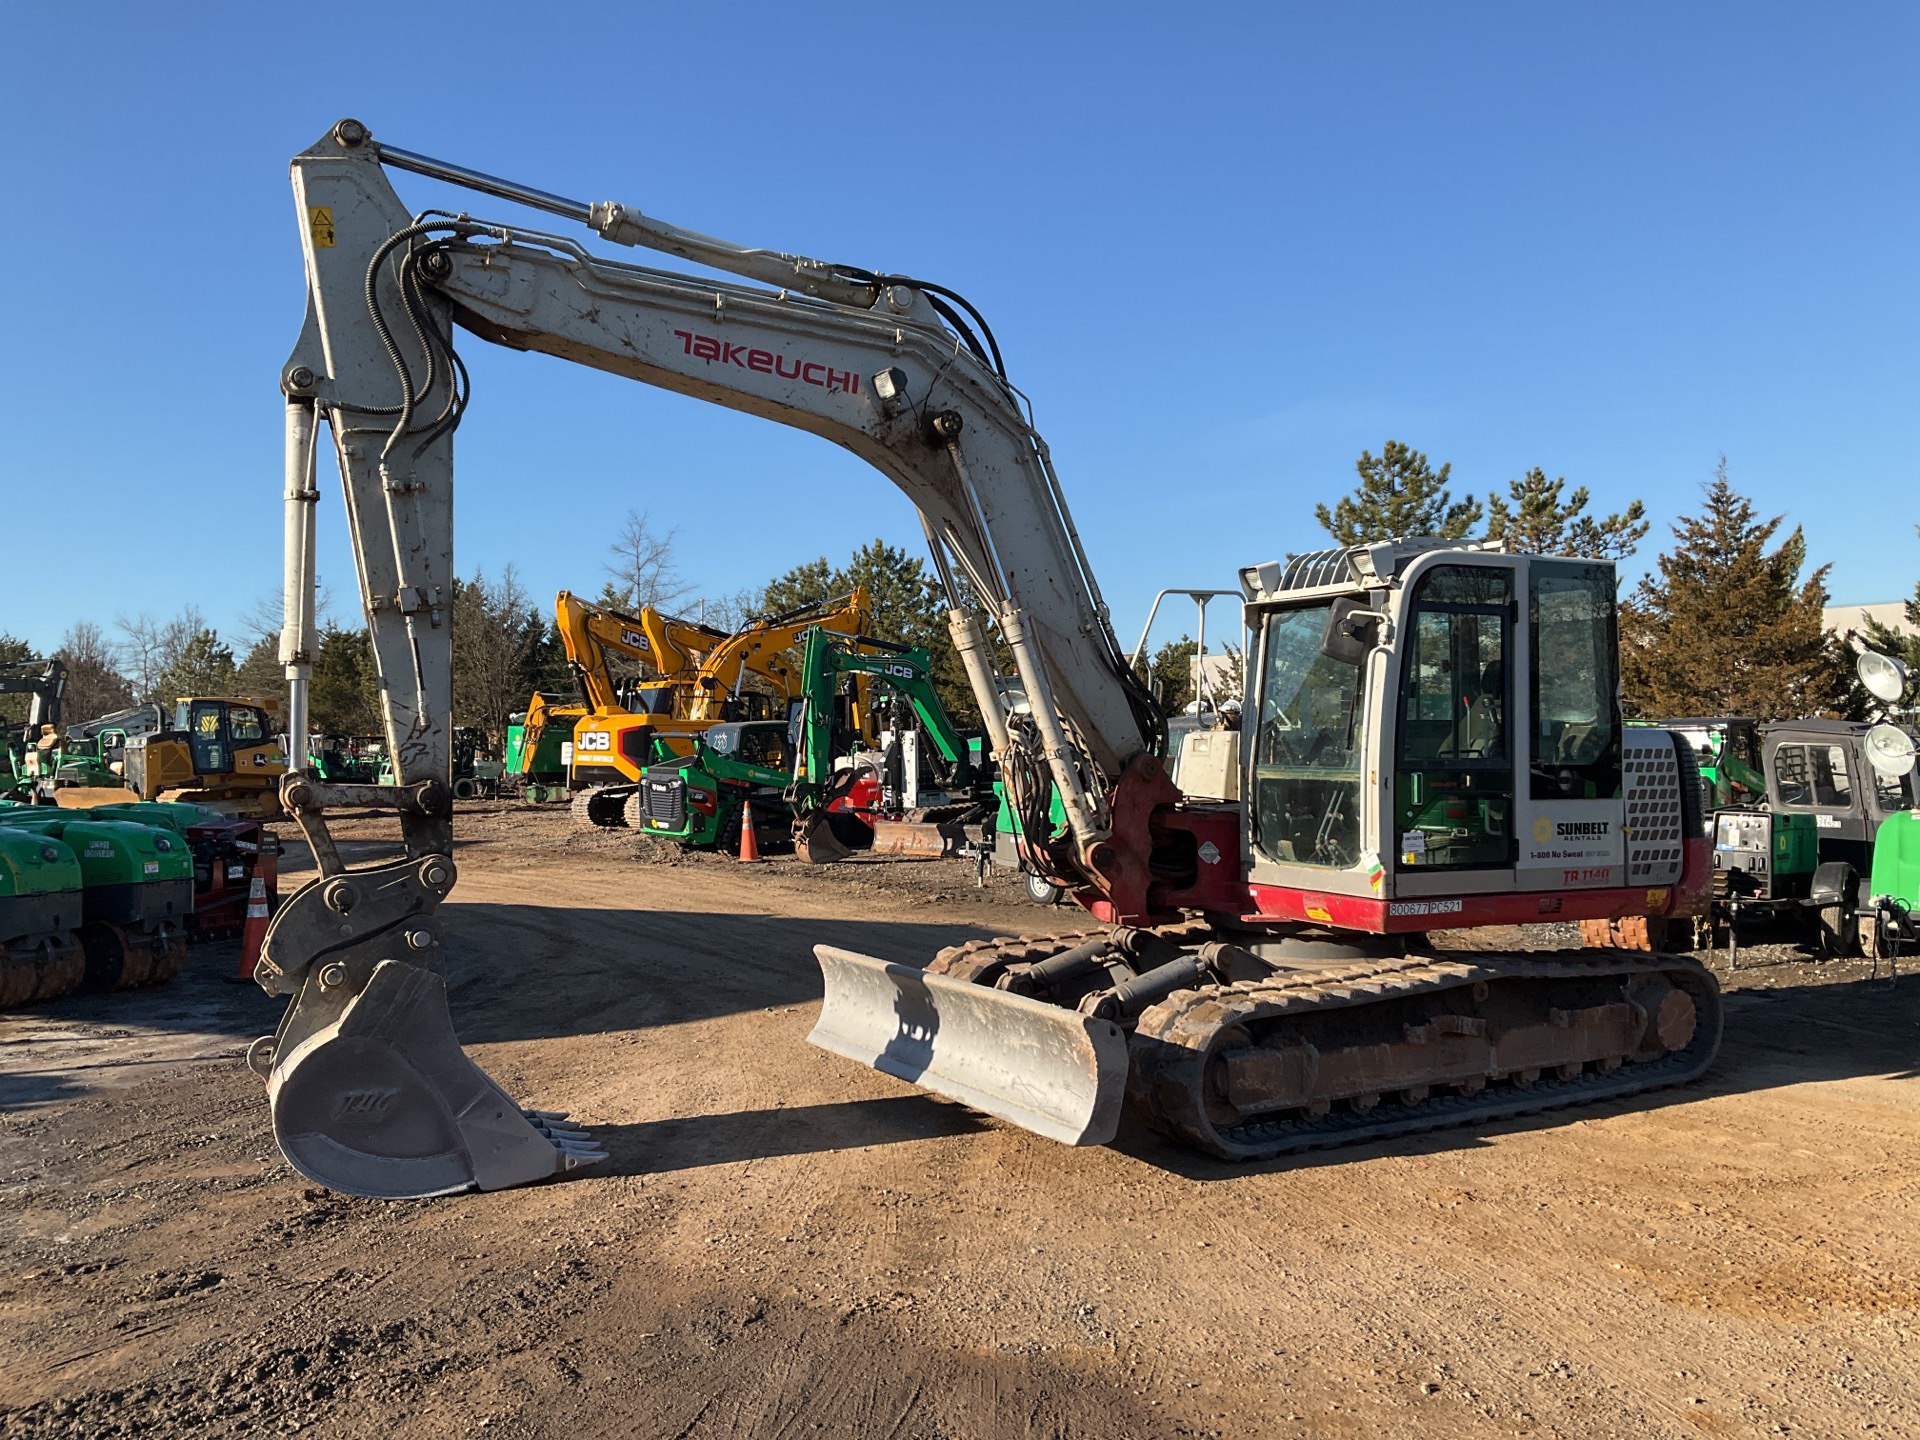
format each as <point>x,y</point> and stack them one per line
<point>703,680</point>
<point>670,649</point>
<point>1431,738</point>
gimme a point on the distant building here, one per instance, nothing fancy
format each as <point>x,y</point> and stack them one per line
<point>1223,674</point>
<point>1890,613</point>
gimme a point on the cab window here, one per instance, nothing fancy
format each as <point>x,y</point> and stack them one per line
<point>1307,762</point>
<point>764,745</point>
<point>1814,776</point>
<point>1893,792</point>
<point>1576,723</point>
<point>1453,784</point>
<point>245,725</point>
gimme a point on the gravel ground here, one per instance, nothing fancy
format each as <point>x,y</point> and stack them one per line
<point>783,1244</point>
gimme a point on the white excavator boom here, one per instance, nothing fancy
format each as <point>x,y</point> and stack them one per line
<point>370,1090</point>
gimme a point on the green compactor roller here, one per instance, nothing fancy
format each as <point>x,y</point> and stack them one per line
<point>40,916</point>
<point>121,892</point>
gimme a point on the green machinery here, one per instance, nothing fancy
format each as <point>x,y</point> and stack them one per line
<point>31,757</point>
<point>100,900</point>
<point>40,916</point>
<point>472,772</point>
<point>1727,749</point>
<point>1006,843</point>
<point>815,767</point>
<point>1821,849</point>
<point>698,799</point>
<point>345,759</point>
<point>899,685</point>
<point>1890,926</point>
<point>539,744</point>
<point>136,898</point>
<point>94,752</point>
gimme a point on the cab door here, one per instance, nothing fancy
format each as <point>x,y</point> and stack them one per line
<point>1572,821</point>
<point>207,735</point>
<point>1454,767</point>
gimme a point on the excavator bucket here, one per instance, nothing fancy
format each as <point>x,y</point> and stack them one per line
<point>814,841</point>
<point>1052,1071</point>
<point>381,1101</point>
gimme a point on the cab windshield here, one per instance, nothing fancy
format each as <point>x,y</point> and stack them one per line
<point>1306,771</point>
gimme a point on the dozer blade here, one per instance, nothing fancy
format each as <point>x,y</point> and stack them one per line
<point>383,1102</point>
<point>915,839</point>
<point>85,797</point>
<point>1055,1072</point>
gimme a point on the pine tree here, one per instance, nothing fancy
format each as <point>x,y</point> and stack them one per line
<point>1399,496</point>
<point>345,698</point>
<point>1172,666</point>
<point>1538,523</point>
<point>204,666</point>
<point>1727,627</point>
<point>908,607</point>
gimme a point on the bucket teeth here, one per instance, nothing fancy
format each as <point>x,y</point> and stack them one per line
<point>576,1145</point>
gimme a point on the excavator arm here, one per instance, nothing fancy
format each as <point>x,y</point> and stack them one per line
<point>760,648</point>
<point>588,632</point>
<point>816,786</point>
<point>370,1090</point>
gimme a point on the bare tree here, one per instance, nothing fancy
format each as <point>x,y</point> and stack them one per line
<point>499,644</point>
<point>95,686</point>
<point>149,648</point>
<point>725,612</point>
<point>642,568</point>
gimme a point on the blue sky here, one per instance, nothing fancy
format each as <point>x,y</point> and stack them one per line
<point>1224,248</point>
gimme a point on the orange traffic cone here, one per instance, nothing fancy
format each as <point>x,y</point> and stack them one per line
<point>749,840</point>
<point>255,933</point>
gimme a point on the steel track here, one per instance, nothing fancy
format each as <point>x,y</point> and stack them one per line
<point>1175,1041</point>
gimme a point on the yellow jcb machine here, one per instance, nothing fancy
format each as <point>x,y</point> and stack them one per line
<point>703,679</point>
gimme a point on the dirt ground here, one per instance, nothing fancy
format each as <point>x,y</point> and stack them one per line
<point>786,1245</point>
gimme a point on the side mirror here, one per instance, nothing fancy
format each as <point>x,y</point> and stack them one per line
<point>1352,631</point>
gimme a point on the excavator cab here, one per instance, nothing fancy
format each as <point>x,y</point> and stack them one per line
<point>1482,690</point>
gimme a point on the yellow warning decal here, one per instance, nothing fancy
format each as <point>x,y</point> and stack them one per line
<point>320,223</point>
